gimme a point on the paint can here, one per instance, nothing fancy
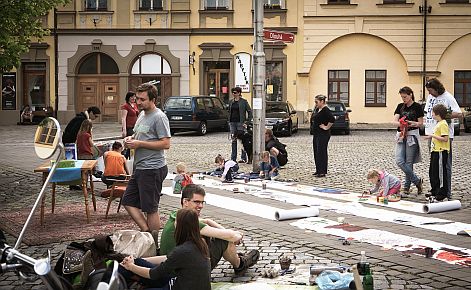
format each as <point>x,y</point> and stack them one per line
<point>386,201</point>
<point>246,180</point>
<point>381,199</point>
<point>264,185</point>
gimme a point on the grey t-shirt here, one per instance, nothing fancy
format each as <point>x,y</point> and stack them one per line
<point>150,127</point>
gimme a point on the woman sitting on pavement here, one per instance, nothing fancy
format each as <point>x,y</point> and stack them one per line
<point>189,260</point>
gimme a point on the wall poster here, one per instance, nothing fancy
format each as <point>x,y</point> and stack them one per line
<point>9,91</point>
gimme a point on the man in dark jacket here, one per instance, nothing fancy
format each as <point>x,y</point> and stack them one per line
<point>239,113</point>
<point>73,127</point>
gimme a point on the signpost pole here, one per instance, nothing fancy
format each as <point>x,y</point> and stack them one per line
<point>258,100</point>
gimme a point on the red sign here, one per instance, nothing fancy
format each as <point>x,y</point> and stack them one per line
<point>278,36</point>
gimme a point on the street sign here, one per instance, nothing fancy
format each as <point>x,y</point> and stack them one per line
<point>273,35</point>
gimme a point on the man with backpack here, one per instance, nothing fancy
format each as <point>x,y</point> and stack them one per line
<point>275,147</point>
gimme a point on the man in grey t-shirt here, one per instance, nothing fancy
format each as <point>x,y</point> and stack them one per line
<point>151,137</point>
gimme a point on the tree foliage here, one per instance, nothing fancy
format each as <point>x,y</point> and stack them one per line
<point>19,23</point>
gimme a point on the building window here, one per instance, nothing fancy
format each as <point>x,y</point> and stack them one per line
<point>274,81</point>
<point>273,4</point>
<point>375,88</point>
<point>463,88</point>
<point>339,86</point>
<point>394,1</point>
<point>96,5</point>
<point>338,2</point>
<point>152,64</point>
<point>147,5</point>
<point>216,4</point>
<point>98,63</point>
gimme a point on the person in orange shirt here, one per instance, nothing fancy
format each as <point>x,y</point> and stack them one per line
<point>115,164</point>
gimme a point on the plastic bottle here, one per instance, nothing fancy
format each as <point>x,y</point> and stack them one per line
<point>363,266</point>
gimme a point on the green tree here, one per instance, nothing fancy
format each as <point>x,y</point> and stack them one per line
<point>19,23</point>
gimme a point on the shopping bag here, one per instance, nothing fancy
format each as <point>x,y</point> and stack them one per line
<point>134,243</point>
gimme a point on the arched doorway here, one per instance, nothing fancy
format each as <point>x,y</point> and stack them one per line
<point>152,67</point>
<point>98,85</point>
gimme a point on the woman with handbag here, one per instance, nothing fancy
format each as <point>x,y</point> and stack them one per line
<point>189,260</point>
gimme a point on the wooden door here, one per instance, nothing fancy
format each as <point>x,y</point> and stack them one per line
<point>217,84</point>
<point>109,100</point>
<point>102,93</point>
<point>88,92</point>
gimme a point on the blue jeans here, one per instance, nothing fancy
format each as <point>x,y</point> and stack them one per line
<point>405,156</point>
<point>235,127</point>
<point>152,284</point>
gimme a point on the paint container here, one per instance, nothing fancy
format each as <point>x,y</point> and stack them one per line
<point>377,198</point>
<point>381,199</point>
<point>341,220</point>
<point>264,185</point>
<point>386,201</point>
<point>246,180</point>
<point>428,252</point>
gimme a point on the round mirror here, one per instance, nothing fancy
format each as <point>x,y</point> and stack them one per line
<point>47,138</point>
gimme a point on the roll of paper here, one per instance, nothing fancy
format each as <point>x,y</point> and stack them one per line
<point>297,213</point>
<point>442,206</point>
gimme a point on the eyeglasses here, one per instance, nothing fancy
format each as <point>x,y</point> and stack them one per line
<point>198,202</point>
<point>235,92</point>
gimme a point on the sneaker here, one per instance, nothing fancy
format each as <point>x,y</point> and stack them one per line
<point>420,186</point>
<point>241,161</point>
<point>247,261</point>
<point>405,191</point>
<point>88,267</point>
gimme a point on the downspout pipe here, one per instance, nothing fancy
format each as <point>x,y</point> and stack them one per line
<point>425,11</point>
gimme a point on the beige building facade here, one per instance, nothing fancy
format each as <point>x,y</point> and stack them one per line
<point>363,52</point>
<point>359,52</point>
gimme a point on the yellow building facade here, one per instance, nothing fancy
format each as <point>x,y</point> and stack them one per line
<point>359,52</point>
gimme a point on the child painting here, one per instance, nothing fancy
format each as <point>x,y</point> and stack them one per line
<point>268,166</point>
<point>384,183</point>
<point>228,168</point>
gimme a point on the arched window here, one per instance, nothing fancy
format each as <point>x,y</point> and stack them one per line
<point>151,64</point>
<point>98,63</point>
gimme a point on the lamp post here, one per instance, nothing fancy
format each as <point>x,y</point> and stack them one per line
<point>258,100</point>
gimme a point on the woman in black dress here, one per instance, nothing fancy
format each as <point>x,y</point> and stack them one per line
<point>321,121</point>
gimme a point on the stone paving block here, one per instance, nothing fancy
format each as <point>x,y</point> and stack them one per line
<point>460,283</point>
<point>422,281</point>
<point>426,275</point>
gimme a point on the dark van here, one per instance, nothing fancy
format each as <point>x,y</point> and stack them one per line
<point>196,113</point>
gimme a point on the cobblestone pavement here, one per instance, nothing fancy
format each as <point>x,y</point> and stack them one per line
<point>350,158</point>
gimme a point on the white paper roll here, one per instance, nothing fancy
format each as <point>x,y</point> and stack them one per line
<point>442,206</point>
<point>282,214</point>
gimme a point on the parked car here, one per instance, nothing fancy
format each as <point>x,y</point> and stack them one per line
<point>342,119</point>
<point>281,117</point>
<point>467,120</point>
<point>196,113</point>
<point>455,121</point>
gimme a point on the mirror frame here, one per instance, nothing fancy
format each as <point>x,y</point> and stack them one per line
<point>43,145</point>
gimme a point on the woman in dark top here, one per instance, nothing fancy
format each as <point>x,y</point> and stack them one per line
<point>321,121</point>
<point>408,117</point>
<point>189,260</point>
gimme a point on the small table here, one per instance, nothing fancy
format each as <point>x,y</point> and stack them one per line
<point>86,172</point>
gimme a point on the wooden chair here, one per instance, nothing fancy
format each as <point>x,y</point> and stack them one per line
<point>117,190</point>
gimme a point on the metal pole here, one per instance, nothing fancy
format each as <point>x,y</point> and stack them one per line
<point>424,64</point>
<point>258,100</point>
